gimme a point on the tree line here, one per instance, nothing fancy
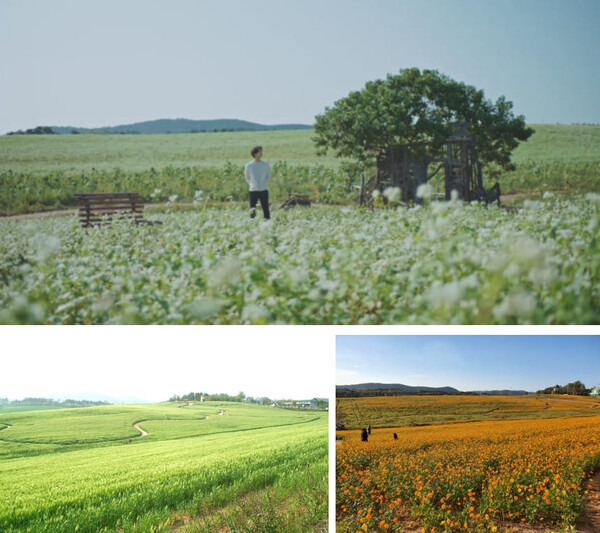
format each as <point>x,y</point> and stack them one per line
<point>576,388</point>
<point>49,402</point>
<point>39,130</point>
<point>240,397</point>
<point>220,397</point>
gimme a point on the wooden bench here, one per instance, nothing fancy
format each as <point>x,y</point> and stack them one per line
<point>97,209</point>
<point>295,199</point>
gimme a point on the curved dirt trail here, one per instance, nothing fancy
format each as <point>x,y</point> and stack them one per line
<point>143,433</point>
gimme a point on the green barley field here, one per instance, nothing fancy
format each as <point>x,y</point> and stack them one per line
<point>252,469</point>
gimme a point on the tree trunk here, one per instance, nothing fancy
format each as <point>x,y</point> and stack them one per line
<point>419,173</point>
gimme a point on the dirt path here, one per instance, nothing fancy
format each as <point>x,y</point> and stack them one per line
<point>40,214</point>
<point>590,523</point>
<point>512,196</point>
<point>143,433</point>
<point>575,400</point>
<point>63,212</point>
<point>136,426</point>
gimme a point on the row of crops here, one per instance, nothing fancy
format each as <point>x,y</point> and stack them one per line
<point>146,485</point>
<point>442,263</point>
<point>483,476</point>
<point>23,192</point>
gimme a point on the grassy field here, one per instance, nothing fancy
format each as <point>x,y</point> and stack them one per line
<point>39,154</point>
<point>20,408</point>
<point>502,464</point>
<point>400,411</point>
<point>90,469</point>
<point>43,172</point>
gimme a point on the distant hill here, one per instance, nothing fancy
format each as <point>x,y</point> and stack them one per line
<point>504,392</point>
<point>98,397</point>
<point>49,402</point>
<point>389,389</point>
<point>181,125</point>
<point>398,389</point>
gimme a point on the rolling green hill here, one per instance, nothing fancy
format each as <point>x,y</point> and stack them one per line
<point>92,469</point>
<point>74,154</point>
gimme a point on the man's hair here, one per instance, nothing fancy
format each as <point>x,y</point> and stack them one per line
<point>255,150</point>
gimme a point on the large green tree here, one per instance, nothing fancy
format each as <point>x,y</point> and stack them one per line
<point>418,110</point>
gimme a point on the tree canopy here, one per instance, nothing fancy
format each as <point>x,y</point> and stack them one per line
<point>198,396</point>
<point>418,110</point>
<point>576,388</point>
<point>38,130</point>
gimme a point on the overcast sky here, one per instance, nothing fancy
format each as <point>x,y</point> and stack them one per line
<point>153,363</point>
<point>109,62</point>
<point>474,362</point>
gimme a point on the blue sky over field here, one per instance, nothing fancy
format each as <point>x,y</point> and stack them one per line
<point>109,62</point>
<point>473,362</point>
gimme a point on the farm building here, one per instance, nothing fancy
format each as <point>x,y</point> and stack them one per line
<point>595,392</point>
<point>307,404</point>
<point>300,404</point>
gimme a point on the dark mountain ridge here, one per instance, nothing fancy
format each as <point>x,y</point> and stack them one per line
<point>399,389</point>
<point>390,389</point>
<point>503,392</point>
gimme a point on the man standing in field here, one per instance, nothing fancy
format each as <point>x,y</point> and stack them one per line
<point>258,175</point>
<point>364,435</point>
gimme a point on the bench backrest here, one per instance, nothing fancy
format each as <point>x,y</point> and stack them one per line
<point>296,199</point>
<point>96,209</point>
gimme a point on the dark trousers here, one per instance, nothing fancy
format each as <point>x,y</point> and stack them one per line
<point>263,196</point>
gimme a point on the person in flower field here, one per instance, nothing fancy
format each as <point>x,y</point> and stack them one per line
<point>258,174</point>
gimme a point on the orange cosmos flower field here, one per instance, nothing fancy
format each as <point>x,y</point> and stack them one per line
<point>484,475</point>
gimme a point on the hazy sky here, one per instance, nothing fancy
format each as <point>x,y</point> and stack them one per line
<point>97,63</point>
<point>474,362</point>
<point>153,363</point>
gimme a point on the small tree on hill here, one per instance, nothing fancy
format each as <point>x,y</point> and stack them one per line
<point>240,397</point>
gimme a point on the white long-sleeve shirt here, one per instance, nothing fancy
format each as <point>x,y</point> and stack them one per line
<point>258,175</point>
